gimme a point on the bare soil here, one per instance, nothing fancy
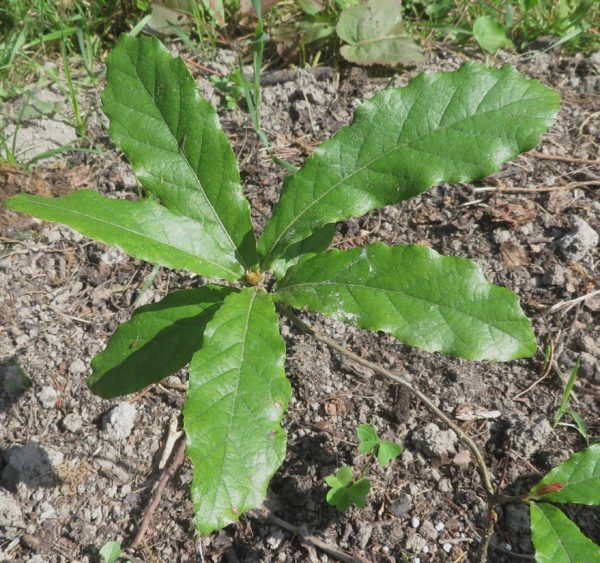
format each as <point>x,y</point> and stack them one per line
<point>69,484</point>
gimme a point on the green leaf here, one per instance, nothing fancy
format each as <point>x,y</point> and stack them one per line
<point>159,340</point>
<point>110,551</point>
<point>174,141</point>
<point>303,250</point>
<point>387,451</point>
<point>368,438</point>
<point>376,35</point>
<point>341,478</point>
<point>564,402</point>
<point>438,303</point>
<point>238,393</point>
<point>344,492</point>
<point>557,539</point>
<point>579,476</point>
<point>490,34</point>
<point>443,127</point>
<point>143,229</point>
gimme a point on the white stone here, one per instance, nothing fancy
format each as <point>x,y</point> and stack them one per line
<point>48,396</point>
<point>46,512</point>
<point>118,423</point>
<point>10,511</point>
<point>77,367</point>
<point>72,422</point>
<point>447,547</point>
<point>415,522</point>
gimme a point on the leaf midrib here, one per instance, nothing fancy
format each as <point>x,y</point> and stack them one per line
<point>235,392</point>
<point>385,155</point>
<point>555,533</point>
<point>236,252</point>
<point>131,231</point>
<point>401,293</point>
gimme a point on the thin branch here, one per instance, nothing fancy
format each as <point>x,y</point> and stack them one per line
<point>176,461</point>
<point>539,190</point>
<point>542,156</point>
<point>325,547</point>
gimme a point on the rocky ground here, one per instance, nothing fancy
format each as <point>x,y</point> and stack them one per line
<point>77,471</point>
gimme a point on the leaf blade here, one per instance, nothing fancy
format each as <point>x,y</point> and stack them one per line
<point>175,143</point>
<point>375,34</point>
<point>557,539</point>
<point>466,123</point>
<point>158,340</point>
<point>238,393</point>
<point>579,476</point>
<point>143,229</point>
<point>438,303</point>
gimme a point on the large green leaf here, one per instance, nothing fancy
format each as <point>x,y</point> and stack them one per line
<point>176,146</point>
<point>237,396</point>
<point>159,339</point>
<point>439,303</point>
<point>579,478</point>
<point>557,539</point>
<point>443,127</point>
<point>143,229</point>
<point>376,35</point>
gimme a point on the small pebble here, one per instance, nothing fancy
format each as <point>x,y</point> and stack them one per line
<point>447,547</point>
<point>439,526</point>
<point>77,367</point>
<point>72,422</point>
<point>508,547</point>
<point>415,522</point>
<point>425,548</point>
<point>48,397</point>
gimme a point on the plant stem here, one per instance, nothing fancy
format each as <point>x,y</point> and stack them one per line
<point>492,499</point>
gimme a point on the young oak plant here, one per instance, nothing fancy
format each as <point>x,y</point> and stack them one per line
<point>442,128</point>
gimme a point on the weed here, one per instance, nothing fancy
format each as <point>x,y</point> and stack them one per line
<point>344,489</point>
<point>565,408</point>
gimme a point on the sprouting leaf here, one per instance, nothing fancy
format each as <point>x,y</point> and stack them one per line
<point>443,127</point>
<point>438,303</point>
<point>143,229</point>
<point>579,476</point>
<point>174,141</point>
<point>387,451</point>
<point>557,539</point>
<point>110,551</point>
<point>341,478</point>
<point>541,490</point>
<point>368,438</point>
<point>566,396</point>
<point>159,339</point>
<point>375,34</point>
<point>490,34</point>
<point>238,393</point>
<point>344,492</point>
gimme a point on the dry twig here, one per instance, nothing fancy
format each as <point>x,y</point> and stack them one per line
<point>539,189</point>
<point>313,540</point>
<point>176,461</point>
<point>542,156</point>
